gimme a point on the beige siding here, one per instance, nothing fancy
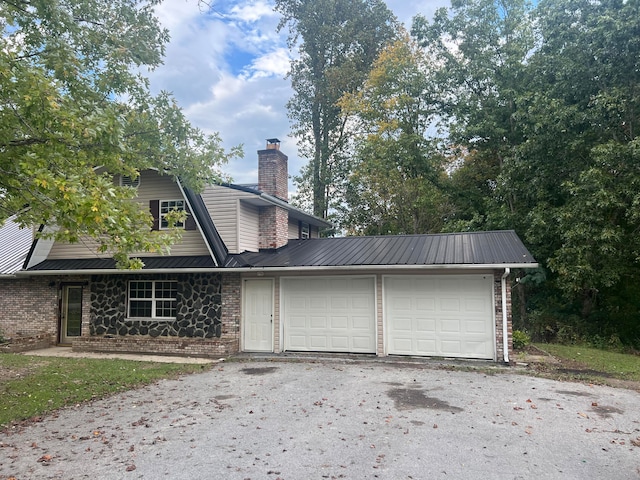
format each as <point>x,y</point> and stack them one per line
<point>152,187</point>
<point>248,227</point>
<point>294,229</point>
<point>235,220</point>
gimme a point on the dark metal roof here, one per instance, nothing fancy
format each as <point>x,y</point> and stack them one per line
<point>150,263</point>
<point>473,248</point>
<point>209,230</point>
<point>15,243</point>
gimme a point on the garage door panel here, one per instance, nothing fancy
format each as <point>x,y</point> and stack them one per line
<point>476,327</point>
<point>451,348</point>
<point>426,325</point>
<point>450,304</point>
<point>318,341</point>
<point>425,304</point>
<point>361,323</point>
<point>340,323</point>
<point>339,303</point>
<point>439,315</point>
<point>314,323</point>
<point>347,305</point>
<point>449,326</point>
<point>425,347</point>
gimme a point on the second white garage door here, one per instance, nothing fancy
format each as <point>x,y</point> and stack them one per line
<point>329,314</point>
<point>440,315</point>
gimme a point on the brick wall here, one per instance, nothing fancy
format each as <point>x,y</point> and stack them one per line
<point>274,227</point>
<point>497,290</point>
<point>29,310</point>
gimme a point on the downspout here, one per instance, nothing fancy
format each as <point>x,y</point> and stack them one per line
<point>505,329</point>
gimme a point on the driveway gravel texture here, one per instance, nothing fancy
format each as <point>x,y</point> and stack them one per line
<point>324,419</point>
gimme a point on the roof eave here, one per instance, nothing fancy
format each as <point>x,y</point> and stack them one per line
<point>457,266</point>
<point>108,271</point>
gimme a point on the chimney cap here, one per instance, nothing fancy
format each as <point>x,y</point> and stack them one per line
<point>273,140</point>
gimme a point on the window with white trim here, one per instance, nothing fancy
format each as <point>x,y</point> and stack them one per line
<point>167,206</point>
<point>304,230</point>
<point>152,299</point>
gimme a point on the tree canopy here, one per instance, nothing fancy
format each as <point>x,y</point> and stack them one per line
<point>337,40</point>
<point>75,112</point>
<point>544,99</point>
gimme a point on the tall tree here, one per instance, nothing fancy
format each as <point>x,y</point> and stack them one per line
<point>72,102</point>
<point>481,49</point>
<point>394,184</point>
<point>551,131</point>
<point>337,41</point>
<point>582,123</point>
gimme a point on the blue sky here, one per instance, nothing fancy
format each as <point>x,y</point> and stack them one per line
<point>226,67</point>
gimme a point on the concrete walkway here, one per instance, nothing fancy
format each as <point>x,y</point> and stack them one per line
<point>69,353</point>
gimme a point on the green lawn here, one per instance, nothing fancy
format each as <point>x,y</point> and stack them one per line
<point>616,365</point>
<point>32,386</point>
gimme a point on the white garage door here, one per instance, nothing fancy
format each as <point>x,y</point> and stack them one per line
<point>329,314</point>
<point>440,315</point>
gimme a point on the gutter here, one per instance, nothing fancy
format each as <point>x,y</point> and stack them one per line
<point>308,268</point>
<point>505,329</point>
<point>115,271</point>
<point>274,270</point>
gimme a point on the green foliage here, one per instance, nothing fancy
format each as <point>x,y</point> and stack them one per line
<point>392,187</point>
<point>72,102</point>
<point>520,339</point>
<point>32,386</point>
<point>542,105</point>
<point>337,40</point>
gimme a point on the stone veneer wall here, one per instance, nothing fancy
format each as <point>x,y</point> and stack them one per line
<point>199,305</point>
<point>201,298</point>
<point>497,291</point>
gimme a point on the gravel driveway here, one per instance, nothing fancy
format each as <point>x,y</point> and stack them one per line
<point>336,419</point>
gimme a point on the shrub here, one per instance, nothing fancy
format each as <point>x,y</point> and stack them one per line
<point>520,339</point>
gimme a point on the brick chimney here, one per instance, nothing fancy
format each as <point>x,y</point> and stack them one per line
<point>273,175</point>
<point>273,179</point>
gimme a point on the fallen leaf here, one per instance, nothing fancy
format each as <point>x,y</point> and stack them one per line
<point>583,415</point>
<point>594,404</point>
<point>635,442</point>
<point>45,459</point>
<point>131,468</point>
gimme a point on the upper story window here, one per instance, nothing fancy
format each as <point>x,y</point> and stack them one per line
<point>304,230</point>
<point>167,206</point>
<point>152,299</point>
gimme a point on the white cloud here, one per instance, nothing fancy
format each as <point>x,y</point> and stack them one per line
<point>275,63</point>
<point>253,11</point>
<point>227,68</point>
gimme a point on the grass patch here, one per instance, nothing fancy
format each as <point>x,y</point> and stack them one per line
<point>612,364</point>
<point>32,386</point>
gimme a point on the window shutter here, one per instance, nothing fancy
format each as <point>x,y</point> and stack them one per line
<point>154,208</point>
<point>190,223</point>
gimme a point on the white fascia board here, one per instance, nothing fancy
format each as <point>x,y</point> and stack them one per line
<point>492,266</point>
<point>44,273</point>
